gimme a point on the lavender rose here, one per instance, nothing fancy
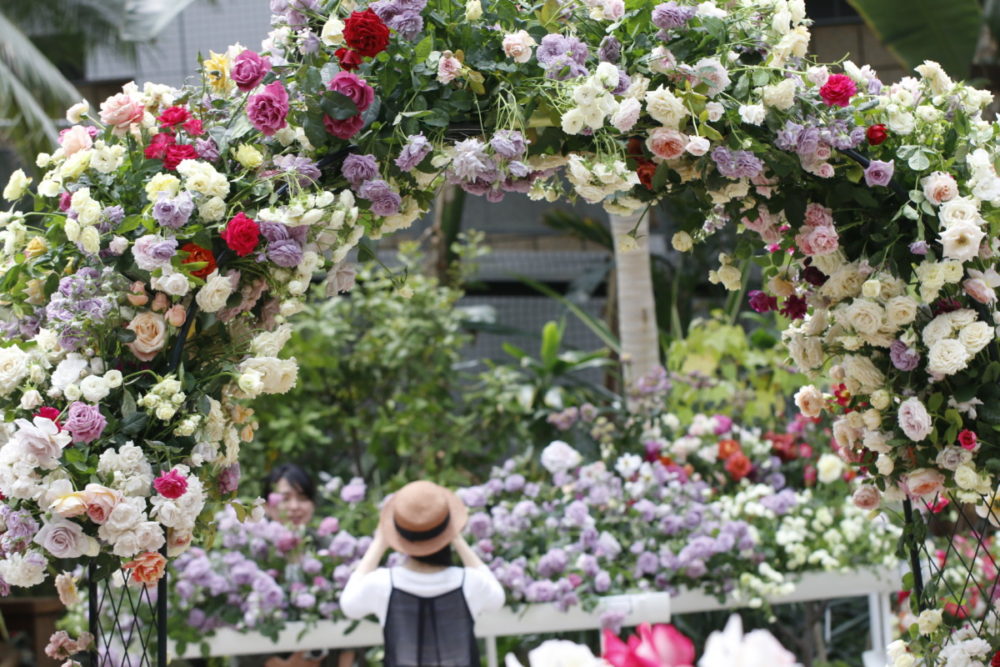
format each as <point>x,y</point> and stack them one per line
<point>416,149</point>
<point>914,419</point>
<point>879,173</point>
<point>85,422</point>
<point>359,168</point>
<point>384,200</point>
<point>66,539</point>
<point>173,212</point>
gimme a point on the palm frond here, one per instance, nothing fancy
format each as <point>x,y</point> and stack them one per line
<point>24,62</point>
<point>25,124</point>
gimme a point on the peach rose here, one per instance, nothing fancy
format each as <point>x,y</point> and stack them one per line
<point>979,290</point>
<point>147,568</point>
<point>75,139</point>
<point>150,335</point>
<point>120,111</point>
<point>66,587</point>
<point>867,497</point>
<point>518,46</point>
<point>100,501</point>
<point>137,294</point>
<point>809,401</point>
<point>925,483</point>
<point>939,187</point>
<point>667,143</point>
<point>178,542</point>
<point>176,315</point>
<point>70,505</point>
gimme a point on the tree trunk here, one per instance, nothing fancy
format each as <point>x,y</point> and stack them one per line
<point>636,309</point>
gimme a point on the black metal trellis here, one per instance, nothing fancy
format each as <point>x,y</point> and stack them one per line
<point>128,622</point>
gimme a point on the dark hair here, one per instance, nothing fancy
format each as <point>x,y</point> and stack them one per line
<point>296,477</point>
<point>443,556</point>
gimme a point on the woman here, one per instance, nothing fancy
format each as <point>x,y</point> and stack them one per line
<point>426,607</point>
<point>291,499</point>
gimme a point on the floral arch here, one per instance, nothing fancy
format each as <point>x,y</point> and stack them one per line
<point>149,272</point>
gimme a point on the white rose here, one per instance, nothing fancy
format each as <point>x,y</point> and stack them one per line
<point>865,316</point>
<point>682,241</point>
<point>213,209</point>
<point>829,468</point>
<point>277,376</point>
<point>752,114</point>
<point>900,311</point>
<point>961,240</point>
<point>13,368</point>
<point>914,420</point>
<point>861,375</point>
<point>214,293</point>
<point>880,399</point>
<point>333,31</point>
<point>558,456</point>
<point>958,209</point>
<point>113,378</point>
<point>809,401</point>
<point>884,464</point>
<point>17,185</point>
<point>780,95</point>
<point>174,283</point>
<point>31,399</point>
<point>937,329</point>
<point>939,187</point>
<point>929,621</point>
<point>94,388</point>
<point>947,357</point>
<point>665,107</point>
<point>976,336</point>
<point>269,343</point>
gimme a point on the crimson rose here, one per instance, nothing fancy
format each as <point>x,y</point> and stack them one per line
<point>241,234</point>
<point>837,90</point>
<point>365,33</point>
<point>176,153</point>
<point>349,58</point>
<point>876,134</point>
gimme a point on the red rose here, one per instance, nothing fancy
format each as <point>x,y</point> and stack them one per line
<point>173,116</point>
<point>198,254</point>
<point>967,439</point>
<point>365,33</point>
<point>738,466</point>
<point>49,412</point>
<point>349,59</point>
<point>634,148</point>
<point>995,662</point>
<point>343,129</point>
<point>157,148</point>
<point>241,235</point>
<point>193,127</point>
<point>171,485</point>
<point>876,134</point>
<point>176,153</point>
<point>645,171</point>
<point>837,90</point>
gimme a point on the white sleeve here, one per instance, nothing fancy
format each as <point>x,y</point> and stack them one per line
<point>482,590</point>
<point>367,594</point>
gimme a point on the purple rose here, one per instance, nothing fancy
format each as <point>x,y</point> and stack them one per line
<point>610,50</point>
<point>416,149</point>
<point>359,168</point>
<point>306,170</point>
<point>206,149</point>
<point>384,200</point>
<point>508,143</point>
<point>408,24</point>
<point>267,110</point>
<point>353,491</point>
<point>671,15</point>
<point>153,252</point>
<point>286,253</point>
<point>879,173</point>
<point>919,247</point>
<point>248,70</point>
<point>353,87</point>
<point>480,525</point>
<point>602,582</point>
<point>173,212</point>
<point>229,478</point>
<point>903,357</point>
<point>85,422</point>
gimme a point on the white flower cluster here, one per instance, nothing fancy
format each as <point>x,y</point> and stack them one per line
<point>594,180</point>
<point>164,398</point>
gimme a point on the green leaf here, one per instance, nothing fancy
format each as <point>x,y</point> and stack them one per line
<point>919,30</point>
<point>935,401</point>
<point>315,131</point>
<point>125,336</point>
<point>660,176</point>
<point>551,340</point>
<point>337,105</point>
<point>424,48</point>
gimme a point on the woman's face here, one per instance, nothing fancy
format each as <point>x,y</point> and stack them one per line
<point>287,504</point>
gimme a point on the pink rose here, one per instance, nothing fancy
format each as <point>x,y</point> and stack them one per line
<point>913,419</point>
<point>449,67</point>
<point>818,215</point>
<point>925,483</point>
<point>328,526</point>
<point>823,240</point>
<point>354,87</point>
<point>176,315</point>
<point>979,290</point>
<point>249,69</point>
<point>62,647</point>
<point>344,129</point>
<point>517,46</point>
<point>101,501</point>
<point>75,139</point>
<point>171,484</point>
<point>120,111</point>
<point>267,110</point>
<point>867,497</point>
<point>697,146</point>
<point>666,143</point>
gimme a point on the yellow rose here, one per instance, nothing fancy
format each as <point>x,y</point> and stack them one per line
<point>69,505</point>
<point>216,72</point>
<point>36,246</point>
<point>162,183</point>
<point>248,156</point>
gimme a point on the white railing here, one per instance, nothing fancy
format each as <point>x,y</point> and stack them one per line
<point>546,618</point>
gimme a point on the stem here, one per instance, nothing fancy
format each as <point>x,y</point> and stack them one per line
<point>918,577</point>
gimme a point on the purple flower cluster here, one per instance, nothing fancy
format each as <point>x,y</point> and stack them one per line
<point>301,170</point>
<point>78,303</point>
<point>478,172</point>
<point>670,15</point>
<point>173,212</point>
<point>20,529</point>
<point>384,200</point>
<point>416,149</point>
<point>403,16</point>
<point>562,57</point>
<point>284,243</point>
<point>736,164</point>
<point>292,12</point>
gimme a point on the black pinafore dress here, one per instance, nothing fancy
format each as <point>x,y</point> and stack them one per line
<point>429,632</point>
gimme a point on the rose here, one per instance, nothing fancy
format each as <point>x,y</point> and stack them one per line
<point>349,58</point>
<point>366,33</point>
<point>94,388</point>
<point>343,129</point>
<point>829,467</point>
<point>150,335</point>
<point>879,173</point>
<point>900,311</point>
<point>666,143</point>
<point>242,234</point>
<point>353,87</point>
<point>961,241</point>
<point>876,134</point>
<point>13,368</point>
<point>213,295</point>
<point>449,67</point>
<point>838,90</point>
<point>277,375</point>
<point>75,139</point>
<point>171,484</point>
<point>913,419</point>
<point>558,456</point>
<point>66,587</point>
<point>929,621</point>
<point>518,46</point>
<point>42,439</point>
<point>177,153</point>
<point>960,209</point>
<point>809,401</point>
<point>924,482</point>
<point>939,187</point>
<point>69,505</point>
<point>66,539</point>
<point>85,422</point>
<point>866,497</point>
<point>101,501</point>
<point>975,336</point>
<point>267,110</point>
<point>967,439</point>
<point>147,568</point>
<point>979,290</point>
<point>195,253</point>
<point>248,70</point>
<point>865,316</point>
<point>120,111</point>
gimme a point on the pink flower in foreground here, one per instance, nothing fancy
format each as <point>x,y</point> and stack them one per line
<point>838,90</point>
<point>171,484</point>
<point>661,645</point>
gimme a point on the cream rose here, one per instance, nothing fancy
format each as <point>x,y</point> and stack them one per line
<point>809,401</point>
<point>961,240</point>
<point>75,139</point>
<point>865,316</point>
<point>214,293</point>
<point>861,376</point>
<point>947,357</point>
<point>665,107</point>
<point>939,187</point>
<point>13,368</point>
<point>866,497</point>
<point>150,335</point>
<point>900,311</point>
<point>277,376</point>
<point>780,95</point>
<point>16,186</point>
<point>829,468</point>
<point>976,336</point>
